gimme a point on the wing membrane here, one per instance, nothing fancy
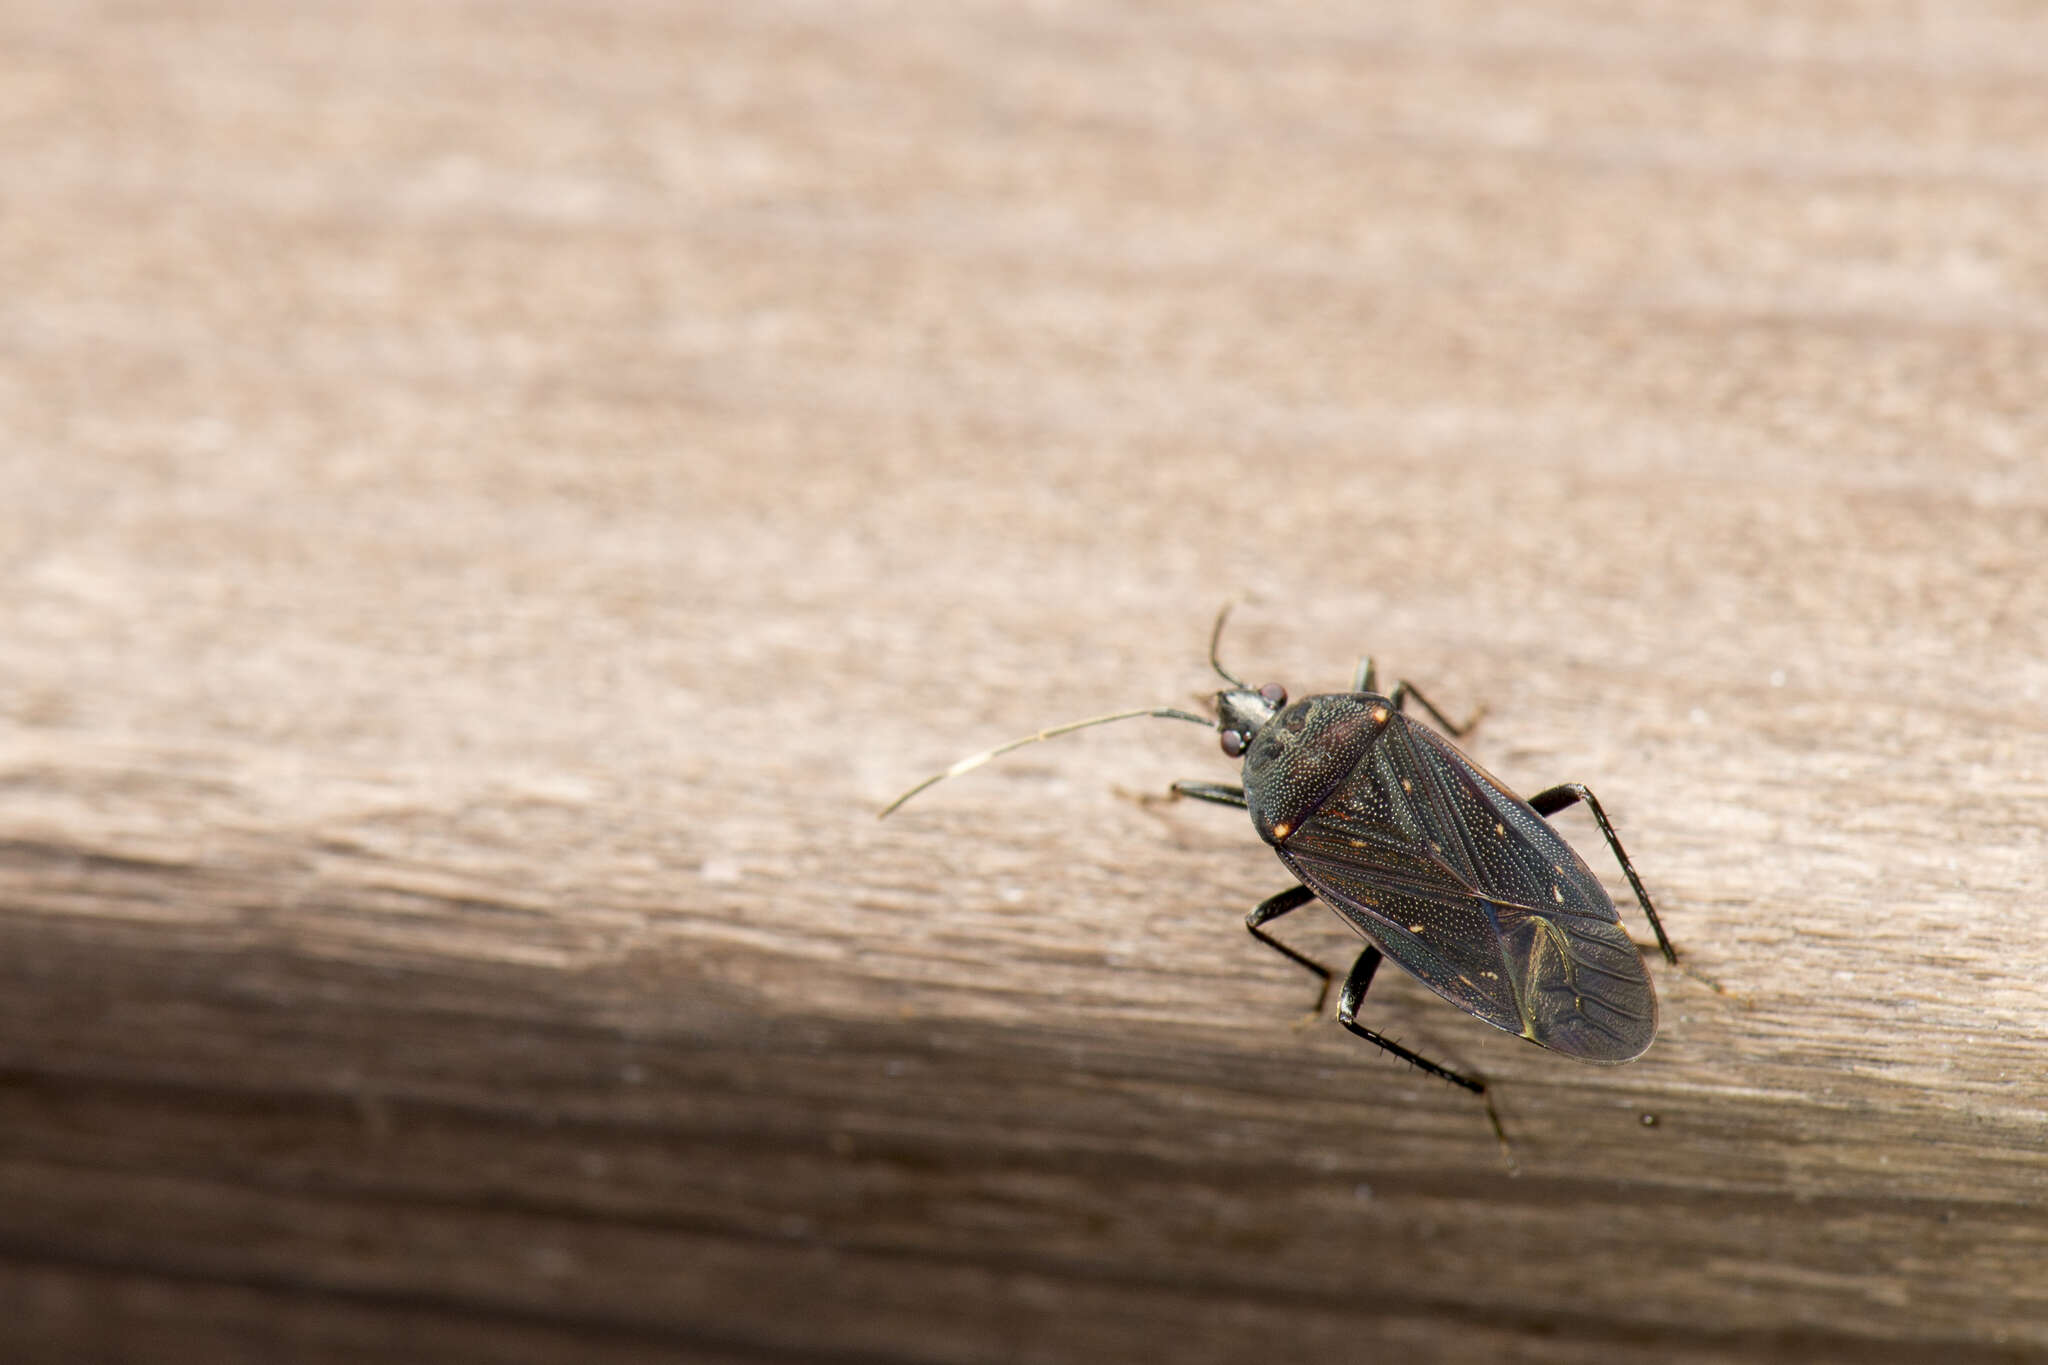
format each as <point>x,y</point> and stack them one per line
<point>1465,886</point>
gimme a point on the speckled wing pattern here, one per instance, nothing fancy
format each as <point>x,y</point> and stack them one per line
<point>1465,886</point>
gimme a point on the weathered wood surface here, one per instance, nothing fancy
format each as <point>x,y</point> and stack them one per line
<point>498,495</point>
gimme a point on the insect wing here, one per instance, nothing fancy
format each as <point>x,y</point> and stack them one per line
<point>1448,940</point>
<point>1465,886</point>
<point>1579,977</point>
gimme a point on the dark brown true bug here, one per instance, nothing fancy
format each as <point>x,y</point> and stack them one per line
<point>1431,858</point>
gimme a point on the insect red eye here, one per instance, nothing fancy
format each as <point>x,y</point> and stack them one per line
<point>1233,743</point>
<point>1274,693</point>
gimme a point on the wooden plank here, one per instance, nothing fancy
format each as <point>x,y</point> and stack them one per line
<point>500,495</point>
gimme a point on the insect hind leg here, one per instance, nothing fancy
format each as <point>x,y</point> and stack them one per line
<point>1553,799</point>
<point>1356,983</point>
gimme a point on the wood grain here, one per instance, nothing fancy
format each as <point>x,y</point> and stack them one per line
<point>500,494</point>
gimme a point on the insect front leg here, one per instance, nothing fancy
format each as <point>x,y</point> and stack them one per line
<point>1222,793</point>
<point>1362,681</point>
<point>1551,800</point>
<point>1404,689</point>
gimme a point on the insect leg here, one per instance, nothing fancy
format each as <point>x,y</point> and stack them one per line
<point>1554,799</point>
<point>1272,908</point>
<point>1222,793</point>
<point>1404,689</point>
<point>1361,681</point>
<point>1348,1000</point>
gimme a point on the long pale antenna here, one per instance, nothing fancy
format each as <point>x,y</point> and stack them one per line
<point>973,761</point>
<point>1215,639</point>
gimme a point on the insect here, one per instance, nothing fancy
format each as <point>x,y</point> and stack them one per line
<point>1432,859</point>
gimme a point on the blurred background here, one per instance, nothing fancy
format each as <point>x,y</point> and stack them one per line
<point>499,493</point>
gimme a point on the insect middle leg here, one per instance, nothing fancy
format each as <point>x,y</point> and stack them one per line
<point>1362,681</point>
<point>1553,799</point>
<point>1272,908</point>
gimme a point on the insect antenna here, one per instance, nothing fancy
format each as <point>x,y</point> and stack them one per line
<point>976,760</point>
<point>1215,639</point>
